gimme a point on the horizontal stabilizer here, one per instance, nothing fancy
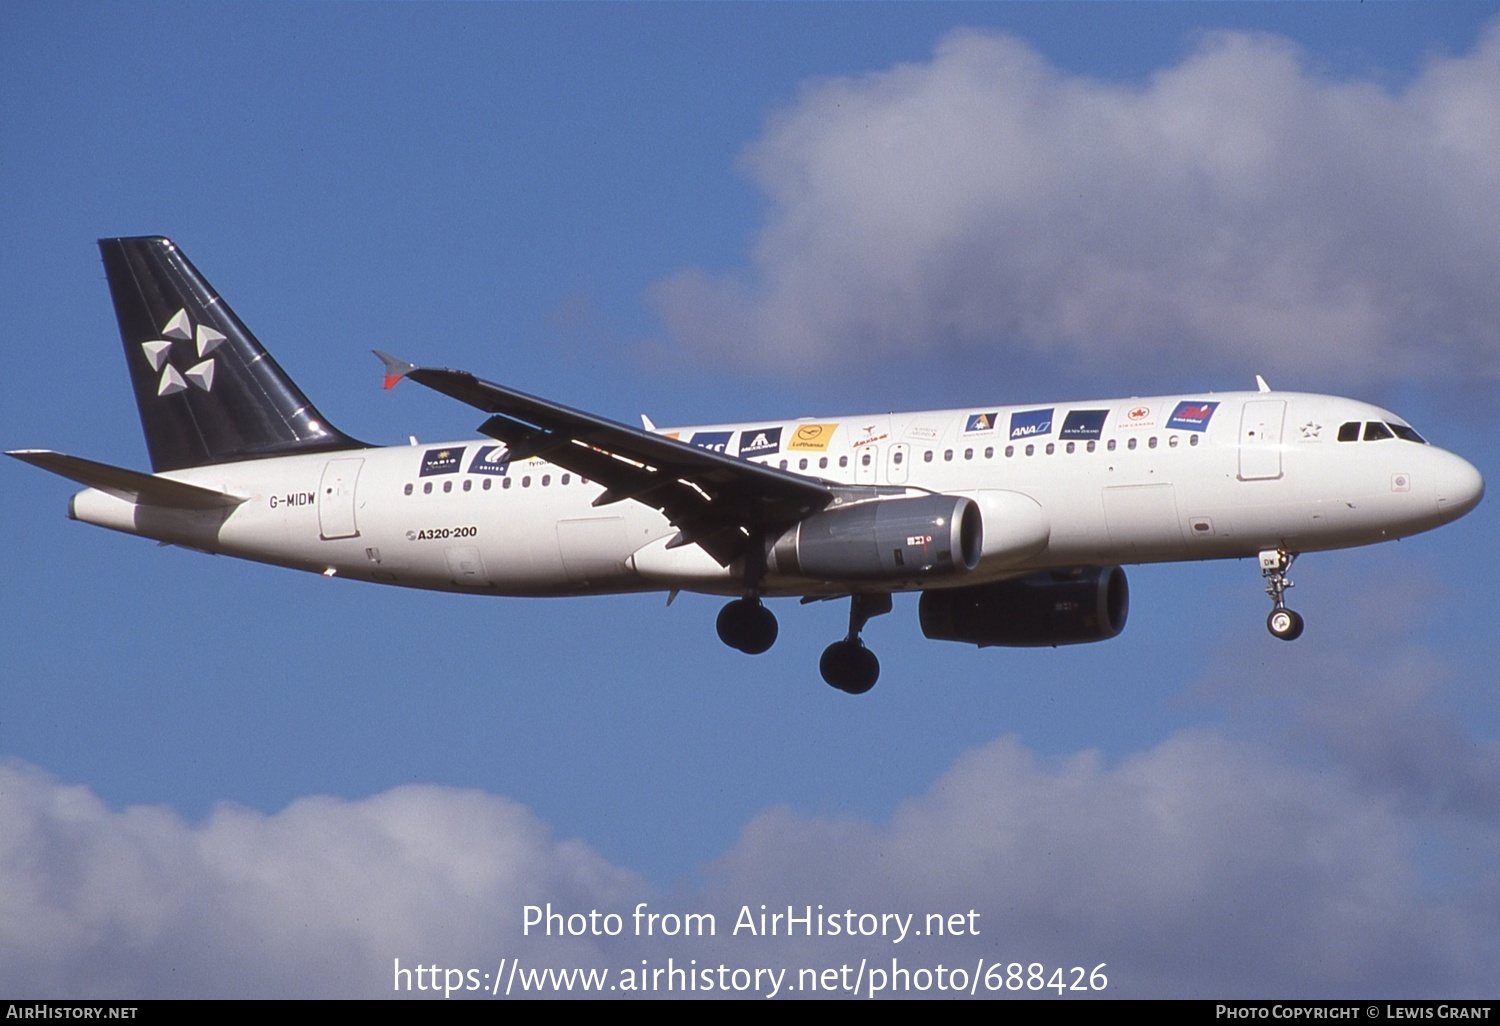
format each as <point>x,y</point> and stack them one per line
<point>130,485</point>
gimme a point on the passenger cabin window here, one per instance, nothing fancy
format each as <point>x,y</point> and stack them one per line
<point>1375,431</point>
<point>1349,432</point>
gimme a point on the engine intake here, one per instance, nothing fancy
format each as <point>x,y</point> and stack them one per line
<point>1055,607</point>
<point>887,539</point>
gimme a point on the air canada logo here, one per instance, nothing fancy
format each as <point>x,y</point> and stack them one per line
<point>180,328</point>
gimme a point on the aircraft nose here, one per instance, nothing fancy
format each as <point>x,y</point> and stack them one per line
<point>1460,487</point>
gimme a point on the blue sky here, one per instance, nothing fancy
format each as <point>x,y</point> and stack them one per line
<point>222,778</point>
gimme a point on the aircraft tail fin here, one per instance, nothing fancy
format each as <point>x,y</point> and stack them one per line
<point>207,391</point>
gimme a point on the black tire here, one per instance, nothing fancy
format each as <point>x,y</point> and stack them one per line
<point>760,630</point>
<point>850,667</point>
<point>1285,624</point>
<point>731,624</point>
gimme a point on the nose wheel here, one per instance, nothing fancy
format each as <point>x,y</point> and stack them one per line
<point>1283,623</point>
<point>848,665</point>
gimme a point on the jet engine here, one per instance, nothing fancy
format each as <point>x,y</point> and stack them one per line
<point>888,539</point>
<point>1055,607</point>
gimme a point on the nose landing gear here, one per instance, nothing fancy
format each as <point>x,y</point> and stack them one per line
<point>1283,623</point>
<point>847,664</point>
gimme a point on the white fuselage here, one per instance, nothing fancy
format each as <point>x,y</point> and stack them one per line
<point>1060,485</point>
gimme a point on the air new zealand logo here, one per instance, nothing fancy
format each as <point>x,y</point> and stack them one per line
<point>181,329</point>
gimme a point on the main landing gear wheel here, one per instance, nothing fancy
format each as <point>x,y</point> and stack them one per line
<point>848,665</point>
<point>1283,623</point>
<point>747,625</point>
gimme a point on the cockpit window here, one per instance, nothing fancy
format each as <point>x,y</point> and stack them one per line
<point>1349,432</point>
<point>1406,433</point>
<point>1374,431</point>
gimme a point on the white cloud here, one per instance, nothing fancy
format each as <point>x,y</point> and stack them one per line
<point>1240,208</point>
<point>1201,867</point>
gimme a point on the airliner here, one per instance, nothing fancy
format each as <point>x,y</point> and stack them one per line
<point>1012,522</point>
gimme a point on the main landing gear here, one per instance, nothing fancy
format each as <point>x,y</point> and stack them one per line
<point>1284,623</point>
<point>848,665</point>
<point>746,624</point>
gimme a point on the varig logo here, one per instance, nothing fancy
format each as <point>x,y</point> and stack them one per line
<point>180,329</point>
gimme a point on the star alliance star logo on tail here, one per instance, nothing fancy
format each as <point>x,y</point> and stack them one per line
<point>180,329</point>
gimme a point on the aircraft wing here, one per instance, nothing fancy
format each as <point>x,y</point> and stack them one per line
<point>716,501</point>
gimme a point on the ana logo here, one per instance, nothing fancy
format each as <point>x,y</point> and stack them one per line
<point>1031,423</point>
<point>180,329</point>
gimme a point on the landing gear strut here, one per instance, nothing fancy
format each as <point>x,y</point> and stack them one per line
<point>848,665</point>
<point>1283,623</point>
<point>745,623</point>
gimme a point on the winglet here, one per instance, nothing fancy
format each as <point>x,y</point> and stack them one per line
<point>1260,384</point>
<point>395,369</point>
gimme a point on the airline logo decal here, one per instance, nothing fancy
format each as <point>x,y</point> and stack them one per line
<point>1083,425</point>
<point>870,435</point>
<point>714,441</point>
<point>1136,417</point>
<point>488,459</point>
<point>1031,423</point>
<point>980,422</point>
<point>180,328</point>
<point>764,442</point>
<point>441,461</point>
<point>811,437</point>
<point>1191,416</point>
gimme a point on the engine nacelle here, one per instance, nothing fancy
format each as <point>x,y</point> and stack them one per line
<point>1055,607</point>
<point>887,539</point>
